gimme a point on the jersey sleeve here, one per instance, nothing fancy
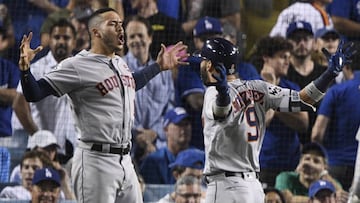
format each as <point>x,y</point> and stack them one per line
<point>209,99</point>
<point>64,78</point>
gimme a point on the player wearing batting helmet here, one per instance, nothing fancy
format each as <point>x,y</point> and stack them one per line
<point>234,119</point>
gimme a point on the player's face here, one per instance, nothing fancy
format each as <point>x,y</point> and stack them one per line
<point>303,44</point>
<point>45,192</point>
<point>204,73</point>
<point>272,197</point>
<point>29,166</point>
<point>112,32</point>
<point>311,165</point>
<point>137,39</point>
<point>279,62</point>
<point>188,194</point>
<point>62,42</point>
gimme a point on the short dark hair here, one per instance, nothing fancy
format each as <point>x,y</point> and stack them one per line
<point>63,22</point>
<point>278,192</point>
<point>99,12</point>
<point>37,154</point>
<point>268,46</point>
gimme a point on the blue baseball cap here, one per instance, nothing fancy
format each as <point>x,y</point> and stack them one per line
<point>313,146</point>
<point>207,25</point>
<point>44,174</point>
<point>190,158</point>
<point>175,116</point>
<point>326,31</point>
<point>299,25</point>
<point>320,185</point>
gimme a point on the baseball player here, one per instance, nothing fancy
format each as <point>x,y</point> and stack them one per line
<point>102,90</point>
<point>234,119</point>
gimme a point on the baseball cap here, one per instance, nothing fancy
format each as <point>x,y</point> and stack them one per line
<point>175,116</point>
<point>191,158</point>
<point>42,138</point>
<point>46,174</point>
<point>326,31</point>
<point>207,25</point>
<point>320,185</point>
<point>299,25</point>
<point>313,146</point>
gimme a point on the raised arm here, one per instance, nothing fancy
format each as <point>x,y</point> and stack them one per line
<point>314,91</point>
<point>33,90</point>
<point>167,59</point>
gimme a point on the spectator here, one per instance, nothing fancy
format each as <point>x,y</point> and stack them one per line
<point>337,123</point>
<point>9,79</point>
<point>281,128</point>
<point>154,168</point>
<point>166,30</point>
<point>189,162</point>
<point>311,11</point>
<point>327,38</point>
<point>43,141</point>
<point>77,12</point>
<point>53,113</point>
<point>28,16</point>
<point>30,162</point>
<point>187,189</point>
<point>153,101</point>
<point>247,71</point>
<point>6,31</point>
<point>273,195</point>
<point>322,191</point>
<point>346,18</point>
<point>303,69</point>
<point>46,186</point>
<point>312,167</point>
<point>225,11</point>
<point>189,89</point>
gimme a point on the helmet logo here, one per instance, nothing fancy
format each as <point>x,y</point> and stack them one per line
<point>208,25</point>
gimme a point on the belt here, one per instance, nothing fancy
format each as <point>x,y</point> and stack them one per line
<point>240,174</point>
<point>244,175</point>
<point>112,150</point>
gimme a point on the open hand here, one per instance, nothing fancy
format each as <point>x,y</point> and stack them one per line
<point>341,57</point>
<point>172,58</point>
<point>26,53</point>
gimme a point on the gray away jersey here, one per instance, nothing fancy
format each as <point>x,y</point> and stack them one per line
<point>103,105</point>
<point>233,144</point>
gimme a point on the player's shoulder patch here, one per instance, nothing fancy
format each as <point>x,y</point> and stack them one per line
<point>274,90</point>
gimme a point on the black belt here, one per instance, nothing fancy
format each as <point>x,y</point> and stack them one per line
<point>240,174</point>
<point>229,174</point>
<point>113,150</point>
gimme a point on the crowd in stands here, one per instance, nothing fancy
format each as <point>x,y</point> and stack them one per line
<point>305,157</point>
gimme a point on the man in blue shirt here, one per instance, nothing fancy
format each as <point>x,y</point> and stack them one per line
<point>337,123</point>
<point>155,167</point>
<point>156,98</point>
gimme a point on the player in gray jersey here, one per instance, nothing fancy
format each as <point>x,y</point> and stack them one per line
<point>234,119</point>
<point>102,90</point>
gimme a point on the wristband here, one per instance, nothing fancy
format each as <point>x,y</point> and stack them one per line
<point>313,92</point>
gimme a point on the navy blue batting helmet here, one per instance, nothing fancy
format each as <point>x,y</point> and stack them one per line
<point>221,51</point>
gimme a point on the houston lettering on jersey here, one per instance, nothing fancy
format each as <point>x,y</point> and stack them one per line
<point>113,82</point>
<point>245,98</point>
